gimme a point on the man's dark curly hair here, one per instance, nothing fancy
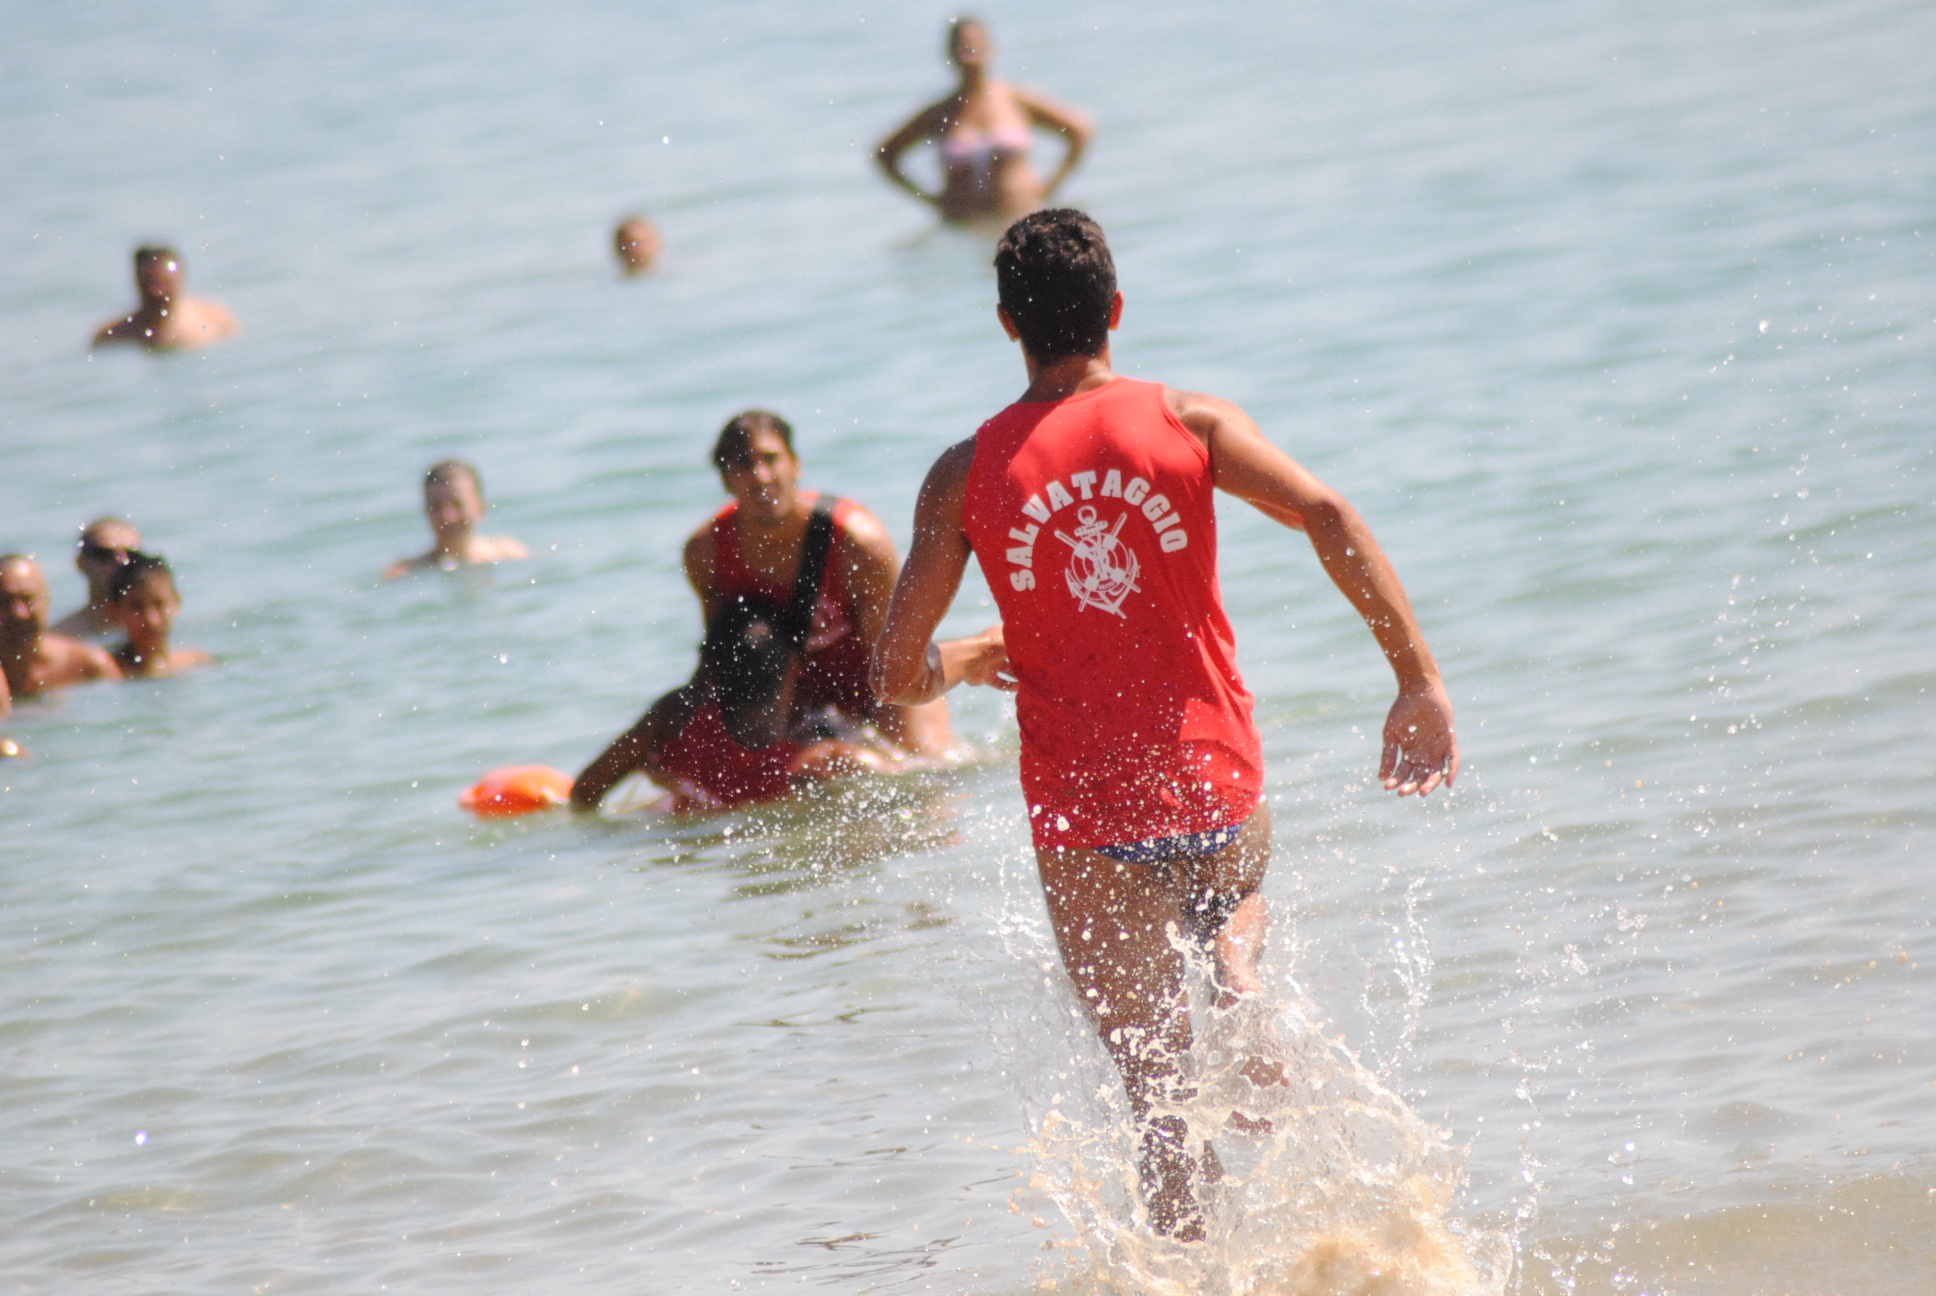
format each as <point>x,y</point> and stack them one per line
<point>1057,282</point>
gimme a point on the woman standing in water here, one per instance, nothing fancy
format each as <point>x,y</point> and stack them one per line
<point>984,130</point>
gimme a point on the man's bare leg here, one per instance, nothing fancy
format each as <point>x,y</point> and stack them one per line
<point>1112,923</point>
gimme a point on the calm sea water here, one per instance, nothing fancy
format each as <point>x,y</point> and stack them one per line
<point>1616,322</point>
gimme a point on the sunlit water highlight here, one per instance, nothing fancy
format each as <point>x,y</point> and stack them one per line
<point>1615,323</point>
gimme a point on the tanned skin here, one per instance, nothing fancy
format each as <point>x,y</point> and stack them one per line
<point>167,318</point>
<point>1132,981</point>
<point>454,507</point>
<point>772,521</point>
<point>34,658</point>
<point>1008,187</point>
<point>105,545</point>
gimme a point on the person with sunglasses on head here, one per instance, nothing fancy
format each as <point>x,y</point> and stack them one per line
<point>167,318</point>
<point>34,658</point>
<point>105,546</point>
<point>1090,506</point>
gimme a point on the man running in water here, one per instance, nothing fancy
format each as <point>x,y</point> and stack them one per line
<point>1089,506</point>
<point>756,547</point>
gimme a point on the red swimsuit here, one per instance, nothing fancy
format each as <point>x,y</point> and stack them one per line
<point>1093,522</point>
<point>714,762</point>
<point>833,670</point>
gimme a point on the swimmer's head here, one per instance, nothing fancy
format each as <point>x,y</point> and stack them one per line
<point>24,597</point>
<point>747,663</point>
<point>754,455</point>
<point>637,244</point>
<point>969,44</point>
<point>453,498</point>
<point>104,547</point>
<point>158,271</point>
<point>144,600</point>
<point>1057,283</point>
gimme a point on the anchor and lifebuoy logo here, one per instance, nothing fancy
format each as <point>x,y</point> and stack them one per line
<point>1102,569</point>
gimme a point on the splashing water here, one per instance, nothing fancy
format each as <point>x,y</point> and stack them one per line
<point>1317,1179</point>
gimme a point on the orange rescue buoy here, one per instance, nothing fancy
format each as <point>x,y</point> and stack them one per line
<point>517,790</point>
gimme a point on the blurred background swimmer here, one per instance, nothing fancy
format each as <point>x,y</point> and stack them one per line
<point>106,544</point>
<point>145,602</point>
<point>167,318</point>
<point>983,132</point>
<point>8,747</point>
<point>637,244</point>
<point>730,736</point>
<point>34,658</point>
<point>837,573</point>
<point>454,504</point>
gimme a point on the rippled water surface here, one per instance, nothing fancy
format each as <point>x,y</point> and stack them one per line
<point>1615,321</point>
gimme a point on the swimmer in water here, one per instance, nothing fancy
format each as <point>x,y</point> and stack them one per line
<point>8,747</point>
<point>106,544</point>
<point>637,244</point>
<point>758,547</point>
<point>34,658</point>
<point>1089,505</point>
<point>167,318</point>
<point>454,504</point>
<point>984,131</point>
<point>725,739</point>
<point>144,602</point>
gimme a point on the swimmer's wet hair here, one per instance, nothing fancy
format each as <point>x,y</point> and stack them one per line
<point>156,252</point>
<point>744,657</point>
<point>139,567</point>
<point>446,471</point>
<point>1057,282</point>
<point>734,449</point>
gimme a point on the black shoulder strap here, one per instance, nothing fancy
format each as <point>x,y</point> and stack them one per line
<point>813,572</point>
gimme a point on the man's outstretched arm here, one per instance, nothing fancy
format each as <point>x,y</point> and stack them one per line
<point>634,749</point>
<point>1420,748</point>
<point>909,667</point>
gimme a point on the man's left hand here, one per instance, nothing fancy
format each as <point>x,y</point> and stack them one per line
<point>1420,749</point>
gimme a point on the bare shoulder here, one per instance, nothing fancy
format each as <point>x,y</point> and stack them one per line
<point>865,532</point>
<point>1205,415</point>
<point>503,549</point>
<point>1047,112</point>
<point>701,550</point>
<point>950,471</point>
<point>77,659</point>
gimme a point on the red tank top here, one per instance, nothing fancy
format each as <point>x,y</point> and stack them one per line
<point>1094,523</point>
<point>833,670</point>
<point>709,757</point>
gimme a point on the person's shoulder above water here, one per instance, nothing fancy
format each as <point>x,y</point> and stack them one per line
<point>105,544</point>
<point>166,318</point>
<point>453,495</point>
<point>144,601</point>
<point>983,133</point>
<point>35,659</point>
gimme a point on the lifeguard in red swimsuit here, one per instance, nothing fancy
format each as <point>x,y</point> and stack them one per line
<point>755,547</point>
<point>726,738</point>
<point>1088,504</point>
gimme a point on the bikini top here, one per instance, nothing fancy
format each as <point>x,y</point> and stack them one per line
<point>978,150</point>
